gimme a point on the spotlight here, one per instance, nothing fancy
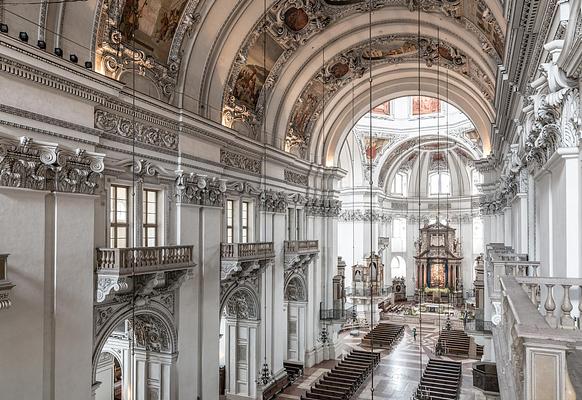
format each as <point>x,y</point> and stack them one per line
<point>3,28</point>
<point>58,51</point>
<point>41,44</point>
<point>74,58</point>
<point>23,36</point>
<point>88,65</point>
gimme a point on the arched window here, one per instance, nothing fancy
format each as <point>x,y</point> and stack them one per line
<point>399,184</point>
<point>398,266</point>
<point>439,183</point>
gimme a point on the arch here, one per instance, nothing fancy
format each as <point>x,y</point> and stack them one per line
<point>241,302</point>
<point>398,263</point>
<point>157,314</point>
<point>296,288</point>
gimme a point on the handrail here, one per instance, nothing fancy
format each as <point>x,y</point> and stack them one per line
<point>242,251</point>
<point>143,259</point>
<point>301,246</point>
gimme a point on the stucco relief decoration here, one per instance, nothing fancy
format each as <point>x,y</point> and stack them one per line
<point>124,127</point>
<point>150,333</point>
<point>552,113</point>
<point>389,49</point>
<point>31,164</point>
<point>240,161</point>
<point>200,190</point>
<point>476,16</point>
<point>241,304</point>
<point>147,34</point>
<point>272,201</point>
<point>296,177</point>
<point>295,290</point>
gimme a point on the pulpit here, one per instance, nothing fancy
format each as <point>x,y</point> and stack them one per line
<point>438,265</point>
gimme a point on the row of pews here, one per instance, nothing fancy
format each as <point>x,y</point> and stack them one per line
<point>384,335</point>
<point>393,308</point>
<point>456,342</point>
<point>345,378</point>
<point>441,380</point>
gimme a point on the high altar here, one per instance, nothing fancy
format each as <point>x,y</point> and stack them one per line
<point>438,265</point>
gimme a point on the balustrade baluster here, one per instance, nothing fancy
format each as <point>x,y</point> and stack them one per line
<point>550,306</point>
<point>567,321</point>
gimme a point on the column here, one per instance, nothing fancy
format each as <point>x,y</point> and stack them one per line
<point>198,322</point>
<point>507,227</point>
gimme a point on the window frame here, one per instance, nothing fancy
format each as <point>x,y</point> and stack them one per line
<point>144,212</point>
<point>229,220</point>
<point>245,217</point>
<point>113,223</point>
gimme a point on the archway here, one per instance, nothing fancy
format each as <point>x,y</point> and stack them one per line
<point>241,326</point>
<point>137,360</point>
<point>296,302</point>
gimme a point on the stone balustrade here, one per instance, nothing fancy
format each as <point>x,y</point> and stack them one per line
<point>542,293</point>
<point>5,285</point>
<point>246,251</point>
<point>301,246</point>
<point>142,260</point>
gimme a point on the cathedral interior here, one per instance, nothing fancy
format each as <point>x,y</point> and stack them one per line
<point>290,199</point>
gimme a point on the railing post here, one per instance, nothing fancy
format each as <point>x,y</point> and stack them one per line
<point>566,320</point>
<point>550,306</point>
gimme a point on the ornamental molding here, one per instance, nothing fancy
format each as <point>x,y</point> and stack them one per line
<point>143,168</point>
<point>117,54</point>
<point>240,161</point>
<point>296,288</point>
<point>354,62</point>
<point>117,125</point>
<point>364,215</point>
<point>32,164</point>
<point>290,24</point>
<point>296,178</point>
<point>242,303</point>
<point>200,190</point>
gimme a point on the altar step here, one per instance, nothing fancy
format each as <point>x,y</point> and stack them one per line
<point>441,380</point>
<point>384,335</point>
<point>345,378</point>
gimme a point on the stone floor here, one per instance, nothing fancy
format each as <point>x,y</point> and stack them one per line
<point>398,373</point>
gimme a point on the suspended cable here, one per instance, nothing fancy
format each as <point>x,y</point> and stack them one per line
<point>419,201</point>
<point>35,3</point>
<point>371,179</point>
<point>439,185</point>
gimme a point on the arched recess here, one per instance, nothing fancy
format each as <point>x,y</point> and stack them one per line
<point>155,313</point>
<point>240,308</point>
<point>296,303</point>
<point>398,267</point>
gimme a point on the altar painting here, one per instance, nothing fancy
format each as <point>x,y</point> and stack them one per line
<point>437,276</point>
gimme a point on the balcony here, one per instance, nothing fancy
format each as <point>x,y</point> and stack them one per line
<point>243,259</point>
<point>299,253</point>
<point>143,260</point>
<point>122,270</point>
<point>301,246</point>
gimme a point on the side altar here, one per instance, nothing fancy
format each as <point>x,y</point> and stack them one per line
<point>438,265</point>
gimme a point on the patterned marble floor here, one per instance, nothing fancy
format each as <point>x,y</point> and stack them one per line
<point>398,373</point>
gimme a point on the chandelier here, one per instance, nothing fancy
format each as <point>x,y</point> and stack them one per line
<point>323,335</point>
<point>265,375</point>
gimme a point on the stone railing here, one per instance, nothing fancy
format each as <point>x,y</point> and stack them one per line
<point>246,251</point>
<point>365,291</point>
<point>301,246</point>
<point>142,260</point>
<point>532,352</point>
<point>543,293</point>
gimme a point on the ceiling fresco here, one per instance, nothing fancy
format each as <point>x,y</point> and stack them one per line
<point>353,64</point>
<point>291,23</point>
<point>155,50</point>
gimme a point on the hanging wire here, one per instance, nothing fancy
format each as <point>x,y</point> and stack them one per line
<point>371,179</point>
<point>36,3</point>
<point>438,149</point>
<point>419,202</point>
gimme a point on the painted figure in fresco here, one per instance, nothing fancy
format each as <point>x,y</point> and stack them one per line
<point>425,105</point>
<point>249,84</point>
<point>130,18</point>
